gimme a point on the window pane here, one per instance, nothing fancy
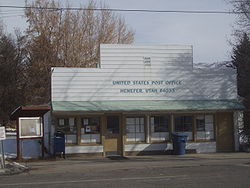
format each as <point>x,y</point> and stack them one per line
<point>205,127</point>
<point>90,125</point>
<point>142,127</point>
<point>137,121</point>
<point>164,135</point>
<point>140,137</point>
<point>130,121</point>
<point>178,124</point>
<point>163,124</point>
<point>190,135</point>
<point>188,124</point>
<point>130,128</point>
<point>113,124</point>
<point>70,138</point>
<point>131,137</point>
<point>30,127</point>
<point>135,129</point>
<point>95,138</point>
<point>160,136</point>
<point>67,125</point>
<point>184,124</point>
<point>159,127</point>
<point>90,130</point>
<point>141,121</point>
<point>200,123</point>
<point>61,122</point>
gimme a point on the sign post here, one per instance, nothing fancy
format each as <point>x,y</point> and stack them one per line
<point>2,137</point>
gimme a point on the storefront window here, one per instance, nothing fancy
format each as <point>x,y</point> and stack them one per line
<point>30,127</point>
<point>204,127</point>
<point>68,126</point>
<point>184,124</point>
<point>135,129</point>
<point>159,127</point>
<point>90,130</point>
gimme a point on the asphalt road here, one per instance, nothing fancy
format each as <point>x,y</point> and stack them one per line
<point>196,170</point>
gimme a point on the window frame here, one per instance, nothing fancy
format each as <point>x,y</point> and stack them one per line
<point>214,127</point>
<point>30,118</point>
<point>193,124</point>
<point>125,128</point>
<point>66,119</point>
<point>81,126</point>
<point>168,129</point>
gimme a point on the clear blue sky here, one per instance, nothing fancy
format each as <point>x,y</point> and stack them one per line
<point>208,33</point>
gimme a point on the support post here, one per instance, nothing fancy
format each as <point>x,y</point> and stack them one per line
<point>43,138</point>
<point>171,126</point>
<point>238,123</point>
<point>147,129</point>
<point>103,128</point>
<point>18,153</point>
<point>123,125</point>
<point>3,158</point>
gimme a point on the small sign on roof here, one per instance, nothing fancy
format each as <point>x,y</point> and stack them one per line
<point>147,61</point>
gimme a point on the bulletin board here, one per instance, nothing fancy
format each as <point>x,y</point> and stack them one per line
<point>30,127</point>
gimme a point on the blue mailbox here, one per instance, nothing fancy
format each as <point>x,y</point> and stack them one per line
<point>59,143</point>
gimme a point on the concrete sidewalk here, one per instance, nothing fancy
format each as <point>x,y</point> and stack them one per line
<point>71,164</point>
<point>152,158</point>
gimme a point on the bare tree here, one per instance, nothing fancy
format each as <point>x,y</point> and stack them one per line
<point>75,36</point>
<point>64,37</point>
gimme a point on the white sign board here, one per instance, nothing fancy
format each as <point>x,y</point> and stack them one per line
<point>2,133</point>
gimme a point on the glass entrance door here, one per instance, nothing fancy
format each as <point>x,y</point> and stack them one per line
<point>112,142</point>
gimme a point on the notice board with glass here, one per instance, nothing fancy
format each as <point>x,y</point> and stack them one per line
<point>30,127</point>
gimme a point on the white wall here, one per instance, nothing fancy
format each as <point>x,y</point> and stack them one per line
<point>83,149</point>
<point>124,56</point>
<point>125,63</point>
<point>200,147</point>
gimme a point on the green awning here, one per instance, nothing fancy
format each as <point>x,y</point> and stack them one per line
<point>97,106</point>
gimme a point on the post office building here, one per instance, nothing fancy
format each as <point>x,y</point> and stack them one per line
<point>140,94</point>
